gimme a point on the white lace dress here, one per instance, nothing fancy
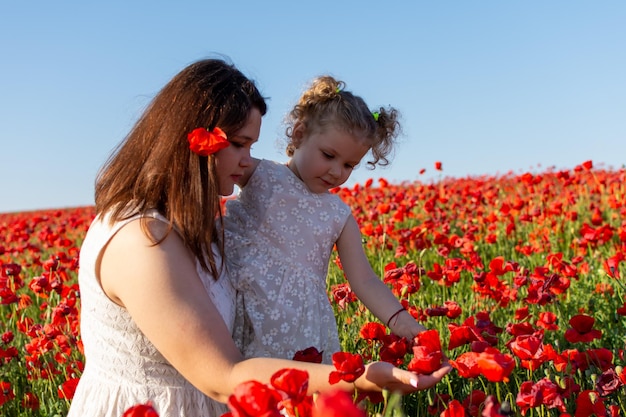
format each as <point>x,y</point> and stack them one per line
<point>122,367</point>
<point>279,238</point>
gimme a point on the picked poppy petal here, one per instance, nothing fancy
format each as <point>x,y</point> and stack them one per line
<point>253,398</point>
<point>349,367</point>
<point>427,355</point>
<point>293,382</point>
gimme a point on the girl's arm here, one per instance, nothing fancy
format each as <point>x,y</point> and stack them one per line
<point>368,287</point>
<point>162,292</point>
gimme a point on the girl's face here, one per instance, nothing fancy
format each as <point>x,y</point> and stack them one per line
<point>325,159</point>
<point>231,162</point>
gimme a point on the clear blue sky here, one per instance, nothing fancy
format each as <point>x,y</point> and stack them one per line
<point>485,87</point>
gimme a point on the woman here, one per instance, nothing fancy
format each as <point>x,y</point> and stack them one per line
<point>157,307</point>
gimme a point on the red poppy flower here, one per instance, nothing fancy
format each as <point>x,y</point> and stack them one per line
<point>349,367</point>
<point>582,329</point>
<point>485,327</point>
<point>455,409</point>
<point>8,353</point>
<point>343,295</point>
<point>336,404</point>
<point>544,392</point>
<point>498,266</point>
<point>253,398</point>
<point>611,265</point>
<point>373,331</point>
<point>427,355</point>
<point>479,346</point>
<point>460,335</point>
<point>394,349</point>
<point>493,409</point>
<point>601,358</point>
<point>494,365</point>
<point>608,382</point>
<point>454,309</point>
<point>622,375</point>
<point>568,386</point>
<point>580,361</point>
<point>30,401</point>
<point>68,388</point>
<point>590,403</point>
<point>466,365</point>
<point>529,348</point>
<point>438,311</point>
<point>310,354</point>
<point>547,320</point>
<point>403,280</point>
<point>474,402</point>
<point>7,337</point>
<point>6,392</point>
<point>614,410</point>
<point>491,363</point>
<point>204,142</point>
<point>520,329</point>
<point>438,166</point>
<point>10,270</point>
<point>141,410</point>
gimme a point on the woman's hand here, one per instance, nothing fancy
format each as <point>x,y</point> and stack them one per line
<point>379,375</point>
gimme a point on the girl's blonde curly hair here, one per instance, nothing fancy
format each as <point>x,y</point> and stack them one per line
<point>327,103</point>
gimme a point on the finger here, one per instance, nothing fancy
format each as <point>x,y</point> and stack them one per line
<point>430,380</point>
<point>407,378</point>
<point>443,371</point>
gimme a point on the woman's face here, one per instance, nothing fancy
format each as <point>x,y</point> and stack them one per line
<point>231,162</point>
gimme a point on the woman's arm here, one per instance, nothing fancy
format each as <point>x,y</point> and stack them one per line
<point>161,290</point>
<point>368,287</point>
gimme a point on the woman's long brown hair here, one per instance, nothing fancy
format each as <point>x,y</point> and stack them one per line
<point>153,167</point>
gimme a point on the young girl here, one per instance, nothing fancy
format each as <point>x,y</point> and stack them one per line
<point>157,308</point>
<point>282,228</point>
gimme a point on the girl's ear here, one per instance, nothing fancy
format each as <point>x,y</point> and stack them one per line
<point>297,134</point>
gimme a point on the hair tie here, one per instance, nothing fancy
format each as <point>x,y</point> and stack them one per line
<point>376,115</point>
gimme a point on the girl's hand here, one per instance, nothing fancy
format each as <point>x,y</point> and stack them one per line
<point>404,325</point>
<point>379,375</point>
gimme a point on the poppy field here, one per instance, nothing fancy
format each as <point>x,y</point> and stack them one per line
<point>518,279</point>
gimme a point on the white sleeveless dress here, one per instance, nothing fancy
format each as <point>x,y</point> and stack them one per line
<point>279,237</point>
<point>122,367</point>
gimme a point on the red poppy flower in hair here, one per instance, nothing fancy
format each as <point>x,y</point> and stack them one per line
<point>206,142</point>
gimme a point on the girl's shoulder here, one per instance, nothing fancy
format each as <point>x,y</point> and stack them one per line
<point>268,169</point>
<point>271,165</point>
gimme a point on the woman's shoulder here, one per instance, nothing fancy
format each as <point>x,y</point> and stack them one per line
<point>104,229</point>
